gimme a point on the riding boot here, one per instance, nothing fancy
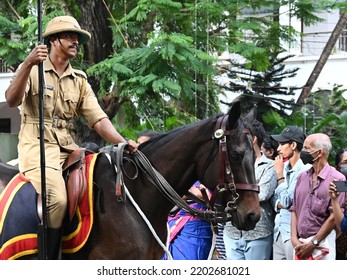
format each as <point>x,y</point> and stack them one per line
<point>54,237</point>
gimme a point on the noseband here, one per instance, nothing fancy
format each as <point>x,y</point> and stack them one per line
<point>225,175</point>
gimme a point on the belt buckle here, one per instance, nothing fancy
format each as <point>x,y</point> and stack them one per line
<point>55,122</point>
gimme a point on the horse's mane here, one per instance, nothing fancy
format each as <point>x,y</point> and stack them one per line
<point>180,130</point>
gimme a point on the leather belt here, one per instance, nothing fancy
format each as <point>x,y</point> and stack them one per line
<point>55,122</point>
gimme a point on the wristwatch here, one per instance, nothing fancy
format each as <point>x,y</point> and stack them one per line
<point>315,242</point>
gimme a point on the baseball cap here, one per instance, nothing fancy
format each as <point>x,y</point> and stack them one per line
<point>290,133</point>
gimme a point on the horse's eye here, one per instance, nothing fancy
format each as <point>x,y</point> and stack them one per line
<point>235,157</point>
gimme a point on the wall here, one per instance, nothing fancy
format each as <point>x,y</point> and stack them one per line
<point>5,79</point>
<point>13,114</point>
<point>5,111</point>
<point>8,141</point>
<point>8,146</point>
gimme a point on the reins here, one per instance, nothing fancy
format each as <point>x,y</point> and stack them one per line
<point>142,162</point>
<point>225,178</point>
<point>165,188</point>
<point>225,181</point>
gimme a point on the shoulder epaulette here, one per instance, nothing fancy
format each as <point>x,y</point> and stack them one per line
<point>80,73</point>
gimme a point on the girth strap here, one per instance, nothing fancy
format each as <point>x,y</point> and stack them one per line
<point>117,155</point>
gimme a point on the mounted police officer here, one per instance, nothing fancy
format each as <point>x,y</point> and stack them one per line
<point>67,94</point>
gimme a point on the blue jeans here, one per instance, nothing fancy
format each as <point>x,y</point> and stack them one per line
<point>240,249</point>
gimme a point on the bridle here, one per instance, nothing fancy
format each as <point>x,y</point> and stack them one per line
<point>225,175</point>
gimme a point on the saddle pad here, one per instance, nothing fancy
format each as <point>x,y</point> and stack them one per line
<point>19,219</point>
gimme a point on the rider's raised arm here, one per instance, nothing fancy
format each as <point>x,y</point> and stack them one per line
<point>15,92</point>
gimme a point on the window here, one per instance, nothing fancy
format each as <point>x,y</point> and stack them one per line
<point>343,40</point>
<point>5,125</point>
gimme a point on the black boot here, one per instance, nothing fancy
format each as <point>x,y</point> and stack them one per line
<point>54,237</point>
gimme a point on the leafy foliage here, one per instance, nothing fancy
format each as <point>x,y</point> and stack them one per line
<point>324,112</point>
<point>158,72</point>
<point>262,88</point>
<point>164,51</point>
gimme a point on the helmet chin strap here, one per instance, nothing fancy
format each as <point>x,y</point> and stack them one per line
<point>62,46</point>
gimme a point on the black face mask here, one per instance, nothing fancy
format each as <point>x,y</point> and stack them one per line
<point>343,170</point>
<point>307,157</point>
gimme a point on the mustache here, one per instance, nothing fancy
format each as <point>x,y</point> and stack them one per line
<point>75,46</point>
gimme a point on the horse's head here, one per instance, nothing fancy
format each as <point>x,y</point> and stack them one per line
<point>237,190</point>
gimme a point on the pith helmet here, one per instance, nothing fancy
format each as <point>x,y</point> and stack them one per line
<point>63,24</point>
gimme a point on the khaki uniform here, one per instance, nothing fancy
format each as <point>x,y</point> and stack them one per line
<point>61,98</point>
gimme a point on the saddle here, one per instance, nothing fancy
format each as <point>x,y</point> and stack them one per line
<point>74,173</point>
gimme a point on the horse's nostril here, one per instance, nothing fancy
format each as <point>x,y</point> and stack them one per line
<point>253,217</point>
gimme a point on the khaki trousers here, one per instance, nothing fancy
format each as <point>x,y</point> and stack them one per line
<point>56,196</point>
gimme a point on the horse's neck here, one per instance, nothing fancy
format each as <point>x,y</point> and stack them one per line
<point>179,170</point>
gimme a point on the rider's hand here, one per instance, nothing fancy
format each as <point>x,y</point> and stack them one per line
<point>37,55</point>
<point>132,146</point>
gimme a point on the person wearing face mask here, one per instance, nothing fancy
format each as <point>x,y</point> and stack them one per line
<point>312,221</point>
<point>341,161</point>
<point>340,215</point>
<point>290,143</point>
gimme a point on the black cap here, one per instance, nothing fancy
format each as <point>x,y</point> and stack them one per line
<point>290,133</point>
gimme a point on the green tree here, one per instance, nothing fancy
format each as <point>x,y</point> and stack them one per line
<point>324,111</point>
<point>330,116</point>
<point>155,60</point>
<point>263,88</point>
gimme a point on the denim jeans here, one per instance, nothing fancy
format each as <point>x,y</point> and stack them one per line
<point>240,249</point>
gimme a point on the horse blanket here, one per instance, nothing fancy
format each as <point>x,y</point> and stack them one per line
<point>19,219</point>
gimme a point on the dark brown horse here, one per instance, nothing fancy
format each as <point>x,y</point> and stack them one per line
<point>217,151</point>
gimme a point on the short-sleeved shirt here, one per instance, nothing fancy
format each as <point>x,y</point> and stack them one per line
<point>312,204</point>
<point>64,98</point>
<point>284,194</point>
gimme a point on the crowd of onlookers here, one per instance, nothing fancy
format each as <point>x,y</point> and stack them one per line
<point>302,212</point>
<point>306,220</point>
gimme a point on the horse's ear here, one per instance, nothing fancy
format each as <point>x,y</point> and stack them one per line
<point>252,115</point>
<point>234,113</point>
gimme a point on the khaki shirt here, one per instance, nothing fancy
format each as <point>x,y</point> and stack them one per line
<point>61,96</point>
